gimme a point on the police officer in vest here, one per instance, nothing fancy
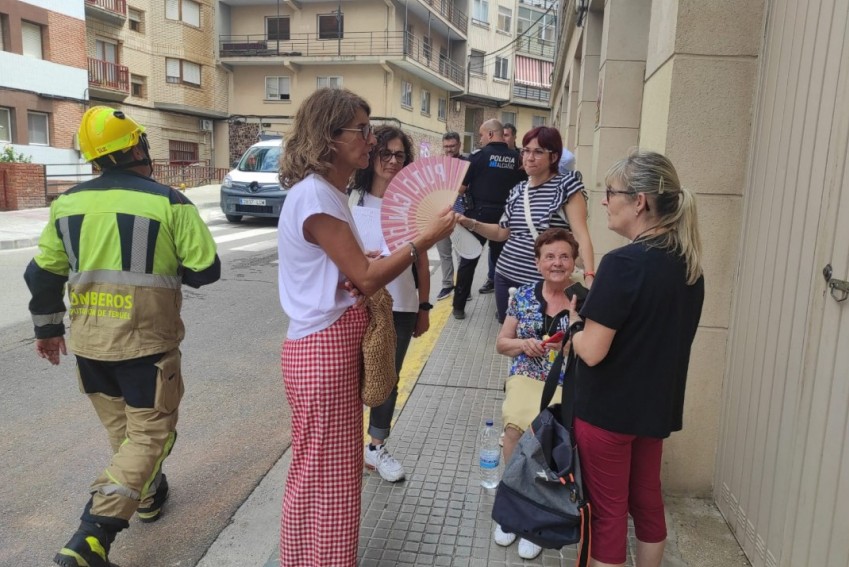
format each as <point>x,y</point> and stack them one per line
<point>125,245</point>
<point>494,170</point>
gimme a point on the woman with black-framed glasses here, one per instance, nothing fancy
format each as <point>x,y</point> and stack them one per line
<point>410,293</point>
<point>633,339</point>
<point>548,199</point>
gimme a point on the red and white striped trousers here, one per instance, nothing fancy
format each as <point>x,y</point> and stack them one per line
<point>321,504</point>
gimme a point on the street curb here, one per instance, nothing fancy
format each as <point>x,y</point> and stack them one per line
<point>18,243</point>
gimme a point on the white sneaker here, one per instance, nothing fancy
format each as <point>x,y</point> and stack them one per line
<point>385,464</point>
<point>501,537</point>
<point>528,550</point>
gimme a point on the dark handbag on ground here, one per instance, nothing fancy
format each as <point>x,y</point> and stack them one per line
<point>378,377</point>
<point>540,497</point>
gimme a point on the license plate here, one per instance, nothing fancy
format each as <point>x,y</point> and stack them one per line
<point>260,202</point>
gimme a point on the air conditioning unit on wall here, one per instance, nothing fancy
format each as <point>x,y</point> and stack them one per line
<point>206,125</point>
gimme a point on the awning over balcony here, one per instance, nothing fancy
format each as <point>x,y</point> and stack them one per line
<point>533,72</point>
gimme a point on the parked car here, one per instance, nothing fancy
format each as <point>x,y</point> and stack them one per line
<point>252,188</point>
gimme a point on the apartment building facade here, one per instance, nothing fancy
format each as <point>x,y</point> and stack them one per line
<point>40,109</point>
<point>405,58</point>
<point>510,61</point>
<point>748,99</point>
<point>155,60</point>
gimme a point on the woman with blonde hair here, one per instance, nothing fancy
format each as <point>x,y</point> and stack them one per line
<point>322,268</point>
<point>633,347</point>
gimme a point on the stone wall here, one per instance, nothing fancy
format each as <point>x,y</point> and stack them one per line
<point>242,136</point>
<point>22,186</point>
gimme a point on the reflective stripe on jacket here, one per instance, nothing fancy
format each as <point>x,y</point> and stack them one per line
<point>124,244</point>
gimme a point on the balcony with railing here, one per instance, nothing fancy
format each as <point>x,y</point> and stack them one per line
<point>536,47</point>
<point>113,11</point>
<point>535,96</point>
<point>448,10</point>
<point>402,47</point>
<point>108,80</point>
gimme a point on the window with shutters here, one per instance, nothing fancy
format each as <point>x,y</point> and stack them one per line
<point>186,11</point>
<point>138,86</point>
<point>480,11</point>
<point>31,40</point>
<point>331,26</point>
<point>425,102</point>
<point>38,128</point>
<point>505,19</point>
<point>4,26</point>
<point>277,88</point>
<point>135,19</point>
<point>502,68</point>
<point>277,29</point>
<point>442,114</point>
<point>182,153</point>
<point>328,82</point>
<point>406,94</point>
<point>476,62</point>
<point>508,118</point>
<point>179,71</point>
<point>5,125</point>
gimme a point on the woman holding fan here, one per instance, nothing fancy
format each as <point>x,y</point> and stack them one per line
<point>410,293</point>
<point>321,260</point>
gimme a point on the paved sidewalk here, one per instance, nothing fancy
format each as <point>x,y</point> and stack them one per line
<point>21,229</point>
<point>440,515</point>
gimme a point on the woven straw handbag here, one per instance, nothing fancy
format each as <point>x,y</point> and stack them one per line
<point>378,376</point>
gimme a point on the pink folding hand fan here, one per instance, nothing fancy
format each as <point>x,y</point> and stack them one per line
<point>417,195</point>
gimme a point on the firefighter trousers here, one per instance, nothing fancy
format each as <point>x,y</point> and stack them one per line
<point>137,402</point>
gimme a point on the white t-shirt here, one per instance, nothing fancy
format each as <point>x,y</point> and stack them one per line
<point>405,296</point>
<point>308,280</point>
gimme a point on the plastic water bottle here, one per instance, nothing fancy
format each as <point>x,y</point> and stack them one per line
<point>490,456</point>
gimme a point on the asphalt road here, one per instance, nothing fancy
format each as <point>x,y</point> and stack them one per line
<point>233,420</point>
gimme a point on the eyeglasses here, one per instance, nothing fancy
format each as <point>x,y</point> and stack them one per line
<point>608,192</point>
<point>536,152</point>
<point>386,156</point>
<point>365,130</point>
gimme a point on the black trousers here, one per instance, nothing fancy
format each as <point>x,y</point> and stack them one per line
<point>466,272</point>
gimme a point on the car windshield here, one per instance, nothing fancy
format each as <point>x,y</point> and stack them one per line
<point>265,159</point>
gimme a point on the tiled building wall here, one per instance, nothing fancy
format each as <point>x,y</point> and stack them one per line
<point>67,40</point>
<point>21,186</point>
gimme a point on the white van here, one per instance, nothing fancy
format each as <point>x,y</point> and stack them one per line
<point>253,187</point>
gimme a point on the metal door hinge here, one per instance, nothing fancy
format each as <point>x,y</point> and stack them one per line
<point>839,288</point>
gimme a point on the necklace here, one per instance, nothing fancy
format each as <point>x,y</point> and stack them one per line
<point>644,233</point>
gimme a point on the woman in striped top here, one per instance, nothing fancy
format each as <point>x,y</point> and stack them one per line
<point>546,200</point>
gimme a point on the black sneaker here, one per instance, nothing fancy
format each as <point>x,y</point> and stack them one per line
<point>459,314</point>
<point>152,513</point>
<point>89,547</point>
<point>445,292</point>
<point>487,287</point>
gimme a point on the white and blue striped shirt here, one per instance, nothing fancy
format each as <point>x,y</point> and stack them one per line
<point>516,262</point>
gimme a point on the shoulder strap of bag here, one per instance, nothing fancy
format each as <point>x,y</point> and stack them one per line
<point>567,400</point>
<point>528,220</point>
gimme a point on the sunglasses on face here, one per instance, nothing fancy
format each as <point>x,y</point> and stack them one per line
<point>365,130</point>
<point>386,156</point>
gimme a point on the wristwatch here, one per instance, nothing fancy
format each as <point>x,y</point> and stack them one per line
<point>425,306</point>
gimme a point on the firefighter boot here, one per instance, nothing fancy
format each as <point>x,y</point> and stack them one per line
<point>151,513</point>
<point>89,547</point>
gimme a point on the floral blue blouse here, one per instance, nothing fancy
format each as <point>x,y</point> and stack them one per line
<point>528,306</point>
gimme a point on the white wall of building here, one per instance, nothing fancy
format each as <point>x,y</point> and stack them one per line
<point>42,77</point>
<point>73,8</point>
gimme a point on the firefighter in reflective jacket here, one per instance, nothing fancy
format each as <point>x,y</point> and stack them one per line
<point>124,245</point>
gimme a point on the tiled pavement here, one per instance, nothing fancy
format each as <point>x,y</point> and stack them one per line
<point>440,515</point>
